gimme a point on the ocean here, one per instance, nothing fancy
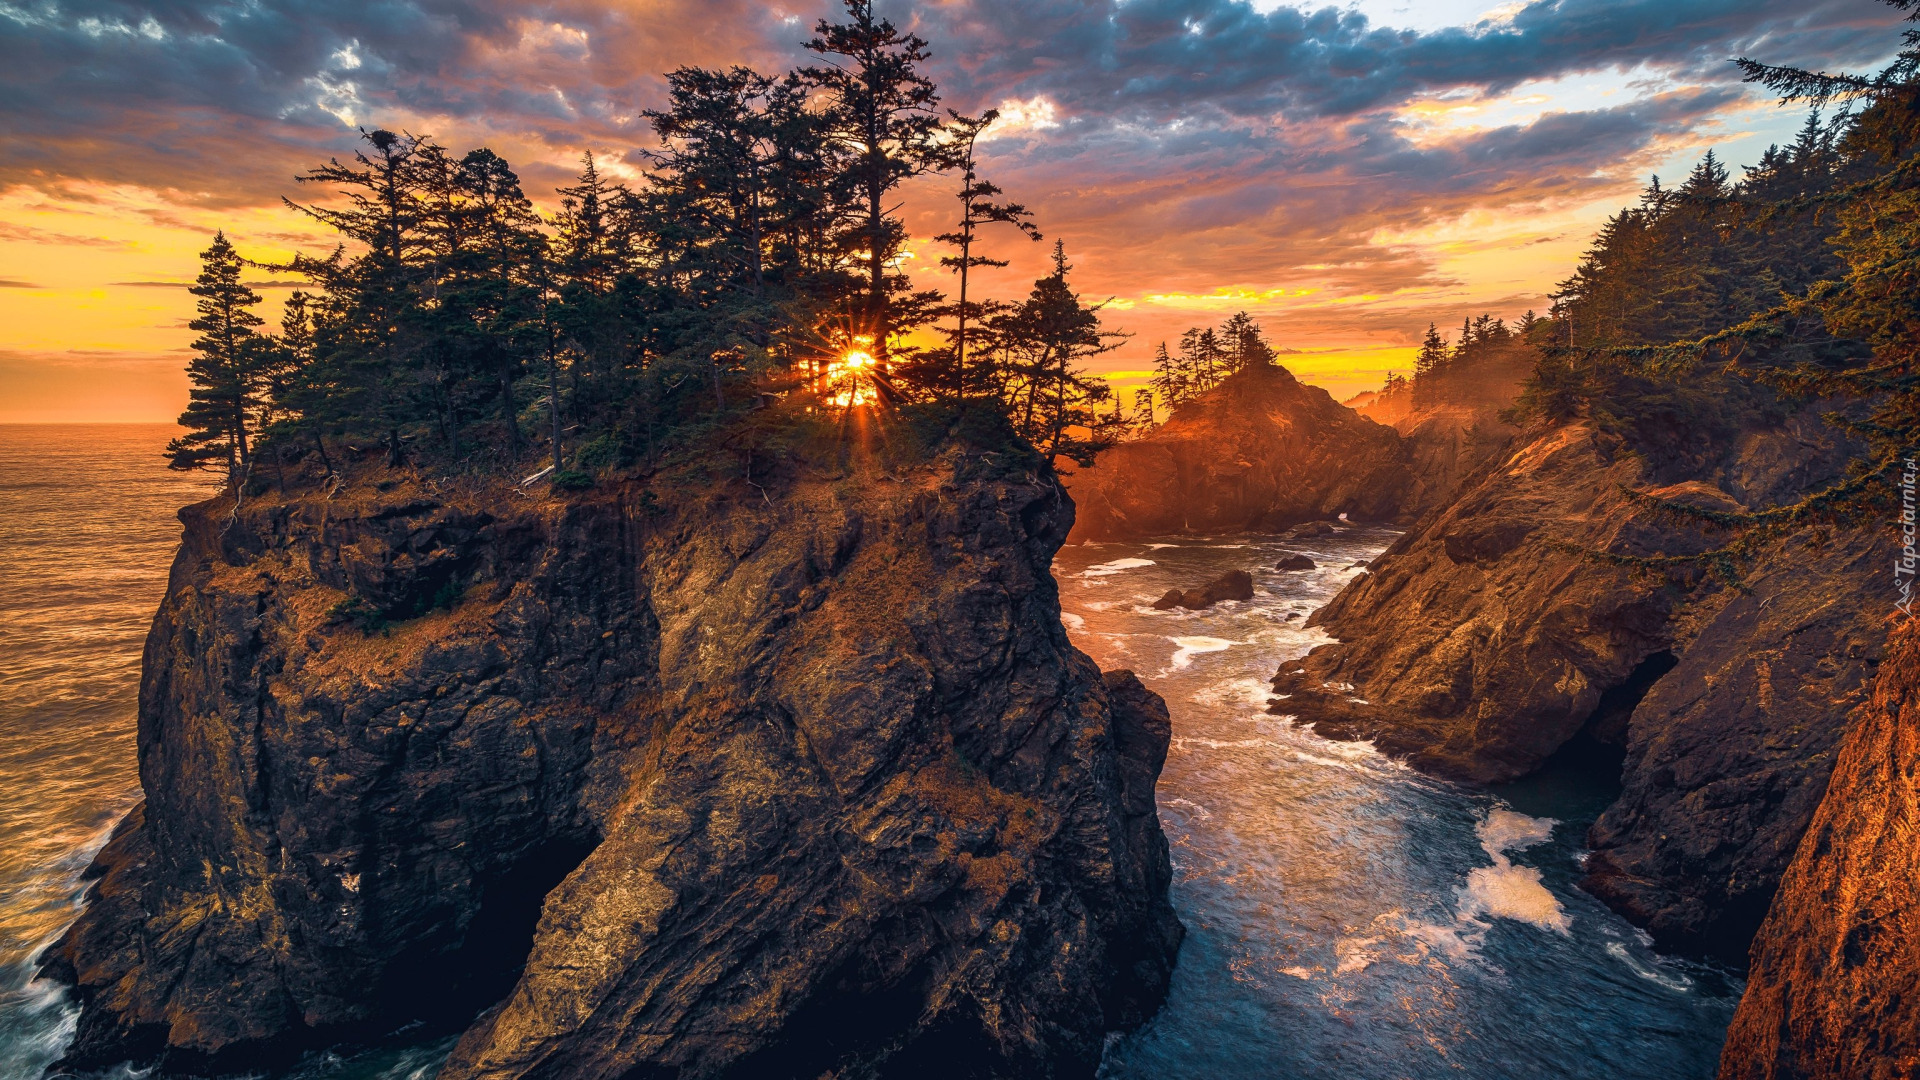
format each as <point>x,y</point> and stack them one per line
<point>1346,916</point>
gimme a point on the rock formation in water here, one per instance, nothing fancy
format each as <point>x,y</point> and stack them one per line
<point>1260,451</point>
<point>1485,640</point>
<point>1834,988</point>
<point>1232,585</point>
<point>685,777</point>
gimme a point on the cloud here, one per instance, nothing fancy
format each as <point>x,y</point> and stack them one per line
<point>10,283</point>
<point>1201,151</point>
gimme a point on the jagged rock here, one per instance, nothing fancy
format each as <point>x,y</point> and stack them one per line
<point>1232,585</point>
<point>1728,753</point>
<point>1296,562</point>
<point>1484,640</point>
<point>1834,988</point>
<point>1310,530</point>
<point>686,781</point>
<point>1261,451</point>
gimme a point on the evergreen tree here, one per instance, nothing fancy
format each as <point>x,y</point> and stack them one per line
<point>977,208</point>
<point>1244,344</point>
<point>228,371</point>
<point>880,116</point>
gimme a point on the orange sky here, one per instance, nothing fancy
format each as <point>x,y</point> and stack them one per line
<point>1344,229</point>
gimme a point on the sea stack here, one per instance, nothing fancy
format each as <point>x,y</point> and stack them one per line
<point>677,776</point>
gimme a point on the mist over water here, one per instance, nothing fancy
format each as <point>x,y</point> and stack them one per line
<point>1346,916</point>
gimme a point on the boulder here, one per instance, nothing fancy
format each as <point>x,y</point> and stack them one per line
<point>1296,562</point>
<point>1232,585</point>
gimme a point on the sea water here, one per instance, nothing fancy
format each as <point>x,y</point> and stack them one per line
<point>1346,917</point>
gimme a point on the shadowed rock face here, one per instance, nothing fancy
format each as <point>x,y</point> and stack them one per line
<point>1834,988</point>
<point>707,784</point>
<point>1484,641</point>
<point>1261,451</point>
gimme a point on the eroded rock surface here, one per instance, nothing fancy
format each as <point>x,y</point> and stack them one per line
<point>1485,640</point>
<point>1834,988</point>
<point>690,781</point>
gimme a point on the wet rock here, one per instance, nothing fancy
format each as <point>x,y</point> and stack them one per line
<point>1296,562</point>
<point>682,781</point>
<point>1232,585</point>
<point>1310,530</point>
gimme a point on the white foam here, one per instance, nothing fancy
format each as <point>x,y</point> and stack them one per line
<point>1244,691</point>
<point>1157,547</point>
<point>1504,890</point>
<point>1190,647</point>
<point>1115,567</point>
<point>1072,621</point>
<point>1674,981</point>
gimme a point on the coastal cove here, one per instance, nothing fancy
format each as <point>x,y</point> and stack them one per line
<point>1343,912</point>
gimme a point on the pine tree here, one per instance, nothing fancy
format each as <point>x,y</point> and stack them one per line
<point>1244,344</point>
<point>879,114</point>
<point>977,208</point>
<point>228,372</point>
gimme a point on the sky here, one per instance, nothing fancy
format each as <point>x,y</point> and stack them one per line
<point>1346,174</point>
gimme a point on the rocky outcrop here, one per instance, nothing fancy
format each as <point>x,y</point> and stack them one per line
<point>1833,992</point>
<point>1232,585</point>
<point>1728,753</point>
<point>1487,639</point>
<point>1260,451</point>
<point>671,778</point>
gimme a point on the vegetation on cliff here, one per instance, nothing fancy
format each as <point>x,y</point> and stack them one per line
<point>760,255</point>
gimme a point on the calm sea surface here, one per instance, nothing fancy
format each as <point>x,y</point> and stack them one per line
<point>1346,917</point>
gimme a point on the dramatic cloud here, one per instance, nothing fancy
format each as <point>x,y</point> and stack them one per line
<point>1346,180</point>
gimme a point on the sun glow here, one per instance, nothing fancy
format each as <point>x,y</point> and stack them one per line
<point>849,376</point>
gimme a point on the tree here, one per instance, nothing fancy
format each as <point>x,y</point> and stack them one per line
<point>227,374</point>
<point>977,208</point>
<point>879,113</point>
<point>1048,337</point>
<point>1244,344</point>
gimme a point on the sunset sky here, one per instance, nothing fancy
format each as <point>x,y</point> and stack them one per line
<point>1346,174</point>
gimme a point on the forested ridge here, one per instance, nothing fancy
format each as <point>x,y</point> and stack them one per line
<point>460,325</point>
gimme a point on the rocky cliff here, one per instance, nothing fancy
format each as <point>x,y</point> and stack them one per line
<point>1834,988</point>
<point>1486,640</point>
<point>1260,451</point>
<point>785,774</point>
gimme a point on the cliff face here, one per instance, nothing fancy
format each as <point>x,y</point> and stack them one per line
<point>1261,451</point>
<point>1834,988</point>
<point>695,780</point>
<point>1484,641</point>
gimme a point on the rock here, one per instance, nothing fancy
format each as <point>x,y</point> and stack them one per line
<point>1485,641</point>
<point>1232,585</point>
<point>1833,992</point>
<point>686,781</point>
<point>1310,530</point>
<point>1296,562</point>
<point>1361,565</point>
<point>1259,452</point>
<point>1727,754</point>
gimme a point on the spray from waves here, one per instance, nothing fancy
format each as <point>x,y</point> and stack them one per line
<point>1072,621</point>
